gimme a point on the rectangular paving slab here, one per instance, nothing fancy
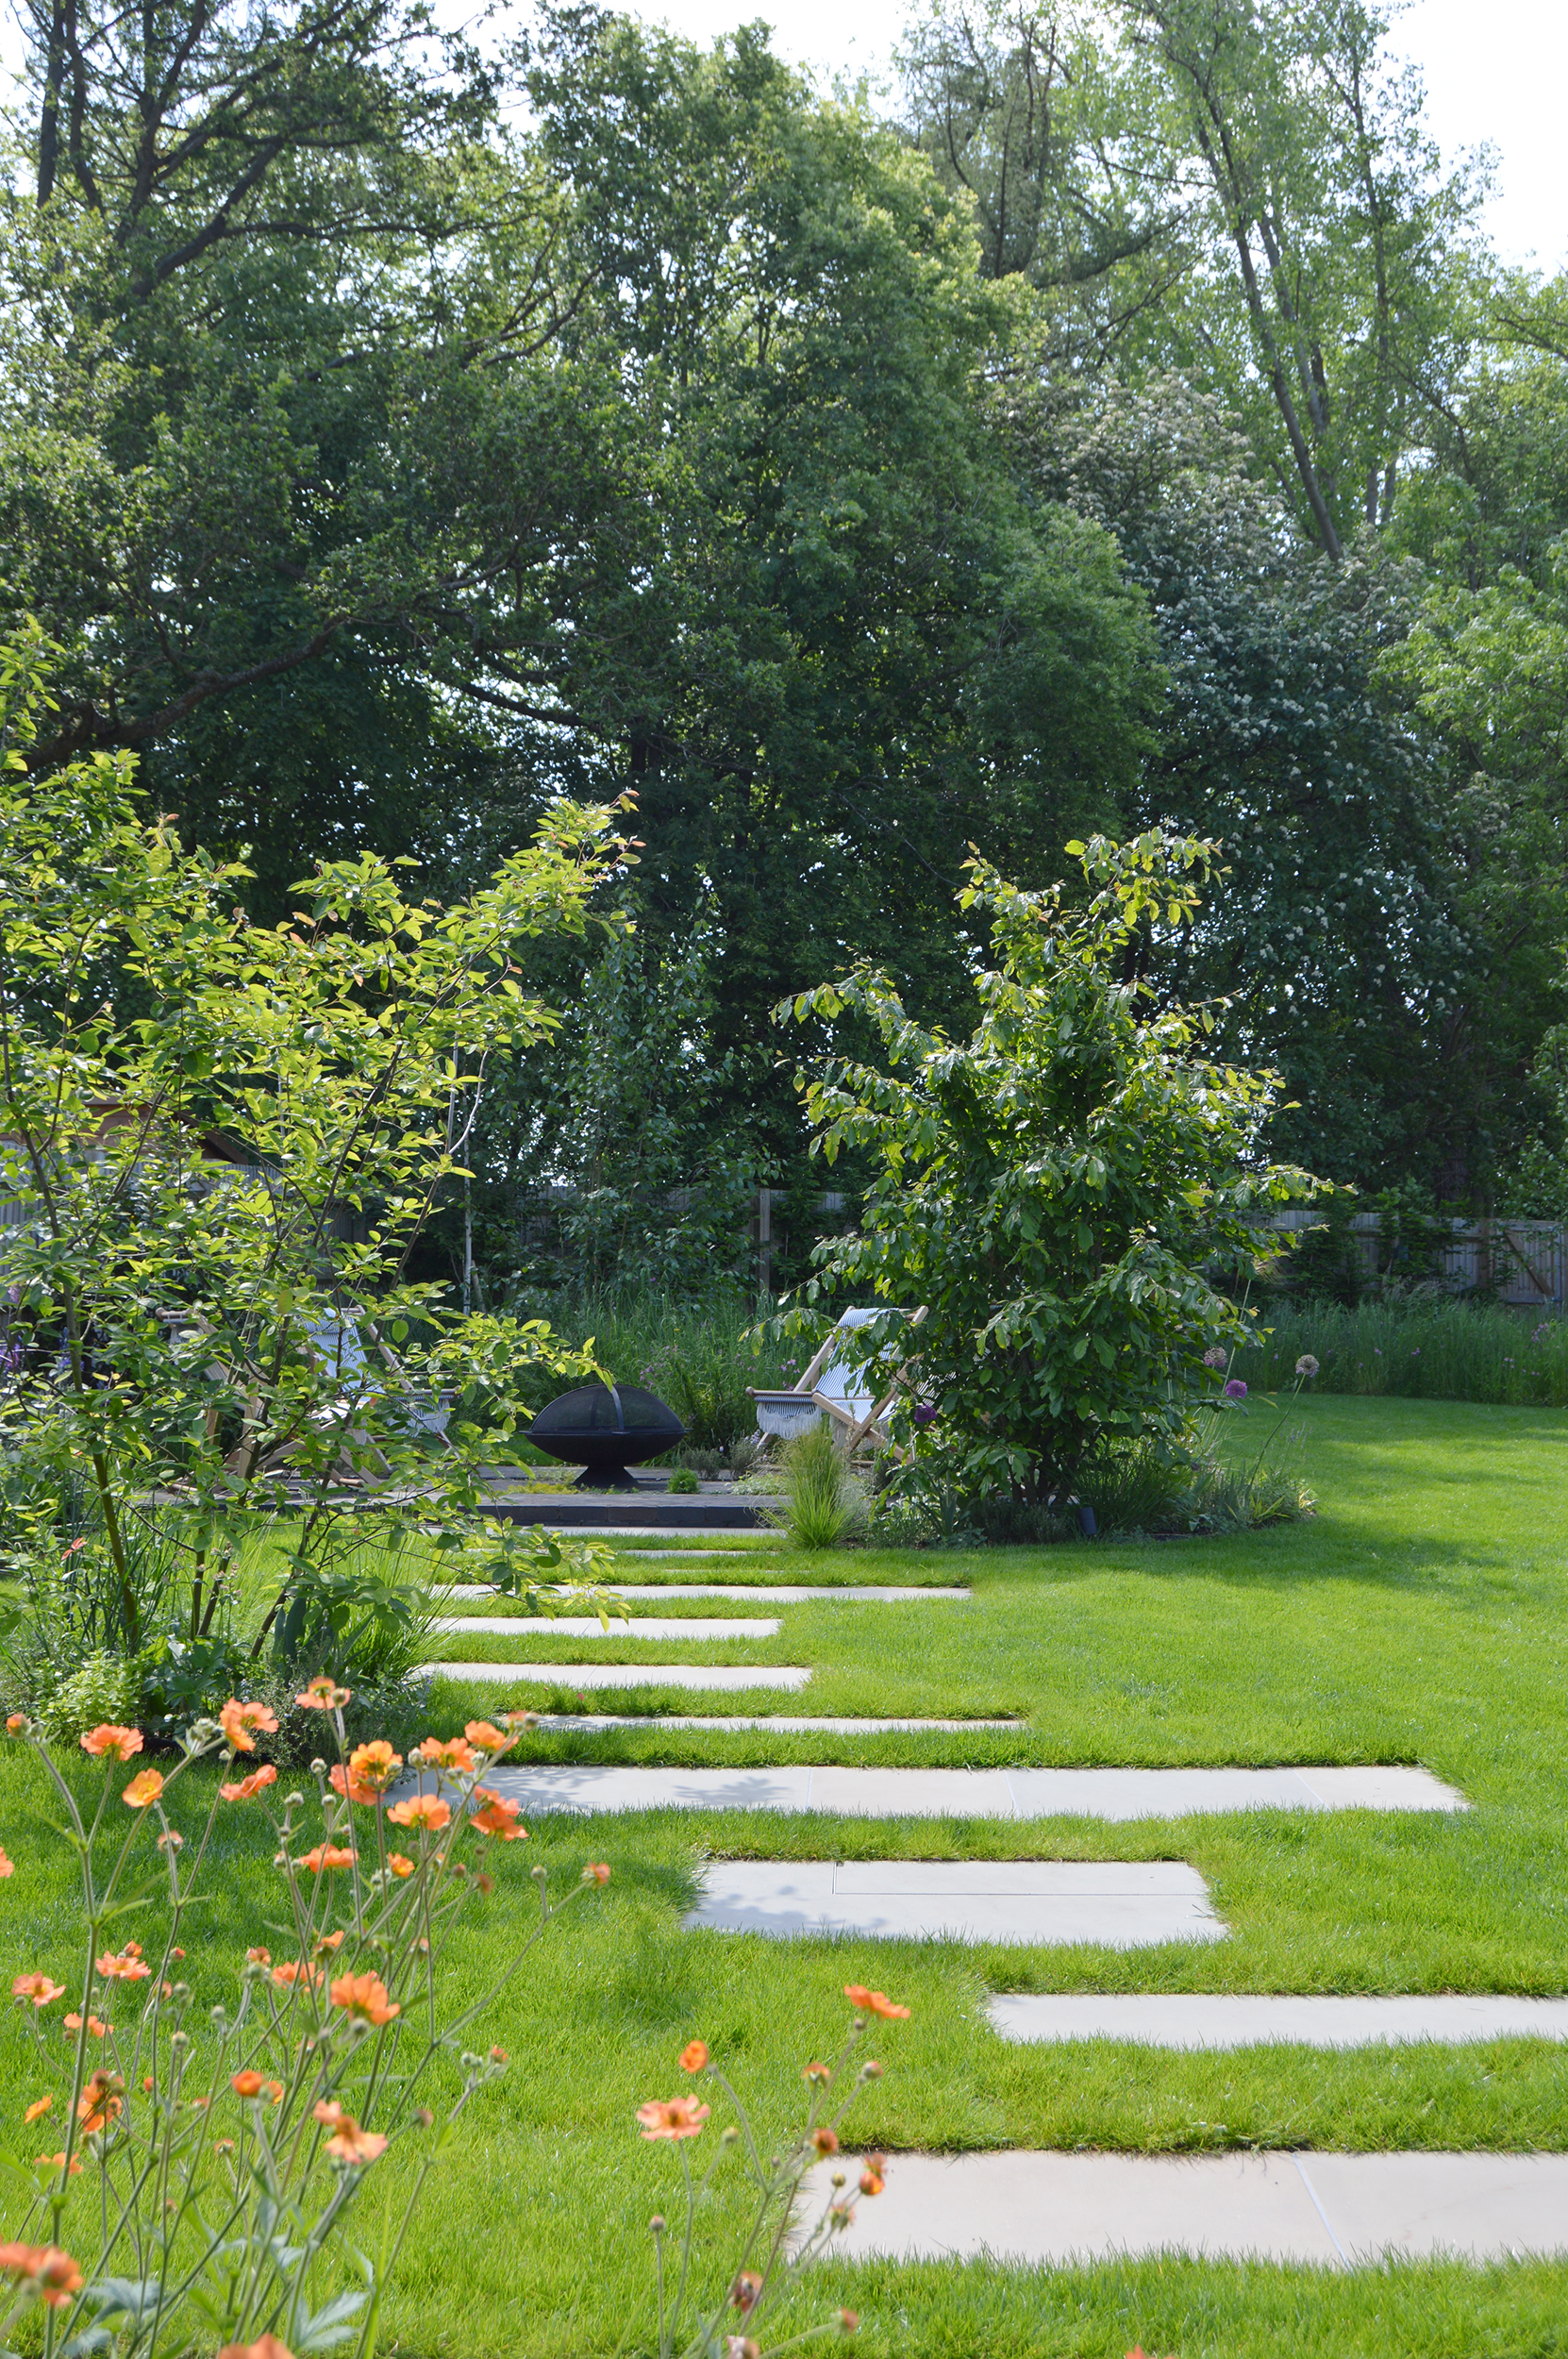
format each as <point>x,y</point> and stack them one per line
<point>661,1626</point>
<point>1337,2210</point>
<point>1015,1794</point>
<point>783,1723</point>
<point>1116,1905</point>
<point>734,1678</point>
<point>769,1594</point>
<point>1229,2020</point>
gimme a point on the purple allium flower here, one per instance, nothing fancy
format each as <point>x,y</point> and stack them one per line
<point>1306,1365</point>
<point>1236,1390</point>
<point>1216,1357</point>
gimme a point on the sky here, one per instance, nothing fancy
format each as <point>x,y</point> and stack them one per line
<point>1495,70</point>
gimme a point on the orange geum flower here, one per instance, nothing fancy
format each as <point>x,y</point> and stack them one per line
<point>596,1872</point>
<point>15,1722</point>
<point>52,2274</point>
<point>746,2290</point>
<point>124,1966</point>
<point>268,2347</point>
<point>872,2002</point>
<point>295,1970</point>
<point>348,2142</point>
<point>240,1723</point>
<point>39,1988</point>
<point>324,1944</point>
<point>873,2174</point>
<point>674,2117</point>
<point>258,1957</point>
<point>421,1810</point>
<point>499,1818</point>
<point>446,1752</point>
<point>38,2107</point>
<point>323,1695</point>
<point>246,2083</point>
<point>694,2055</point>
<point>363,1999</point>
<point>825,2140</point>
<point>100,2102</point>
<point>818,2072</point>
<point>7,1866</point>
<point>110,1738</point>
<point>400,1864</point>
<point>487,1735</point>
<point>242,1792</point>
<point>98,2029</point>
<point>144,1788</point>
<point>56,2162</point>
<point>327,1855</point>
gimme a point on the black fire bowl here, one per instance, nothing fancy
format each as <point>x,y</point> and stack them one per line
<point>606,1428</point>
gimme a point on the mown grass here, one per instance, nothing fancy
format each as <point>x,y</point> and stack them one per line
<point>1417,1617</point>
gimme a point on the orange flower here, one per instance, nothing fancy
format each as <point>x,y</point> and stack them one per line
<point>265,1776</point>
<point>323,1695</point>
<point>15,1721</point>
<point>825,2140</point>
<point>51,2273</point>
<point>746,2290</point>
<point>258,1957</point>
<point>349,2143</point>
<point>98,2029</point>
<point>100,2102</point>
<point>451,1752</point>
<point>363,1999</point>
<point>849,2321</point>
<point>324,1944</point>
<point>108,1738</point>
<point>268,2347</point>
<point>400,1864</point>
<point>520,1719</point>
<point>125,1967</point>
<point>239,1722</point>
<point>596,1872</point>
<point>421,1810</point>
<point>486,1884</point>
<point>498,1818</point>
<point>873,2174</point>
<point>170,1841</point>
<point>872,2002</point>
<point>327,1855</point>
<point>246,2083</point>
<point>295,1970</point>
<point>694,2055</point>
<point>38,2107</point>
<point>39,1988</point>
<point>676,2117</point>
<point>817,2072</point>
<point>56,2162</point>
<point>7,1866</point>
<point>144,1789</point>
<point>487,1735</point>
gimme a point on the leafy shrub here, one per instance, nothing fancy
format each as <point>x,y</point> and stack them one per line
<point>106,1688</point>
<point>684,1480</point>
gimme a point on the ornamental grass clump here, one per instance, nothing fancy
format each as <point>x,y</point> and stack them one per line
<point>728,2313</point>
<point>200,2166</point>
<point>826,1499</point>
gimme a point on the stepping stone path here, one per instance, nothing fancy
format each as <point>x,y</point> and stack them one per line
<point>1227,2019</point>
<point>780,1724</point>
<point>1337,2210</point>
<point>1116,1905</point>
<point>1115,1794</point>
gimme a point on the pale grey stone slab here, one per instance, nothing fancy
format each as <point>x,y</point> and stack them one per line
<point>1112,1904</point>
<point>781,1723</point>
<point>653,1626</point>
<point>1480,2207</point>
<point>1124,1794</point>
<point>1050,2208</point>
<point>913,1793</point>
<point>1229,2020</point>
<point>592,1787</point>
<point>742,1591</point>
<point>733,1679</point>
<point>1333,2208</point>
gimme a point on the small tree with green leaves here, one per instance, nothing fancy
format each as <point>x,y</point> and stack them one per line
<point>224,1141</point>
<point>1060,1190</point>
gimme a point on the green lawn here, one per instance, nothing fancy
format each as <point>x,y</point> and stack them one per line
<point>1418,1617</point>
